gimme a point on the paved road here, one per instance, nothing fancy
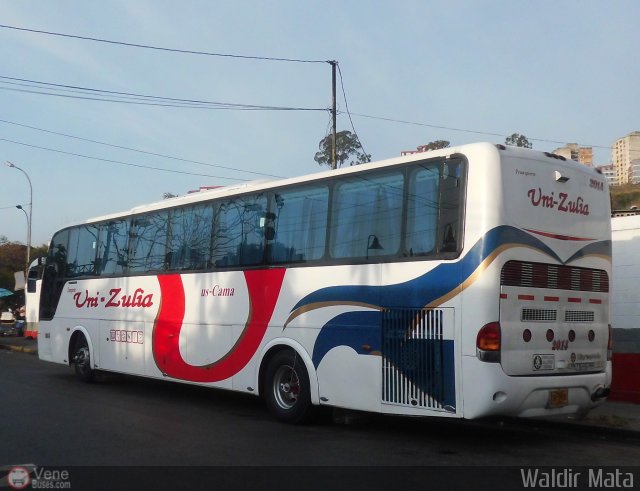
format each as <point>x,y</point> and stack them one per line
<point>49,418</point>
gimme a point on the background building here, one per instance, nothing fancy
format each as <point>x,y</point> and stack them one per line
<point>609,171</point>
<point>623,151</point>
<point>634,171</point>
<point>573,151</point>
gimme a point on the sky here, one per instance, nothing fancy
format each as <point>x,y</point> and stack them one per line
<point>413,71</point>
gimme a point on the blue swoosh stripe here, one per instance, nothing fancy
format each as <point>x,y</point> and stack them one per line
<point>444,278</point>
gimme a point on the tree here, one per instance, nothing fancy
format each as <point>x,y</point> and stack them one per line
<point>348,148</point>
<point>12,259</point>
<point>434,145</point>
<point>518,140</point>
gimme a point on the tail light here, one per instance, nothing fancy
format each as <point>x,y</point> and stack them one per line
<point>488,343</point>
<point>610,344</point>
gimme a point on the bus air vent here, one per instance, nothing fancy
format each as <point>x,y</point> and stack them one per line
<point>538,315</point>
<point>552,276</point>
<point>579,316</point>
<point>415,366</point>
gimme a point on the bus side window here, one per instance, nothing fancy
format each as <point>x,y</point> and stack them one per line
<point>31,285</point>
<point>422,211</point>
<point>300,224</point>
<point>81,254</point>
<point>238,239</point>
<point>366,207</point>
<point>450,198</point>
<point>189,243</point>
<point>148,242</point>
<point>112,247</point>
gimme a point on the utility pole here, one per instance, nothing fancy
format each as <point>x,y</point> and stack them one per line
<point>334,113</point>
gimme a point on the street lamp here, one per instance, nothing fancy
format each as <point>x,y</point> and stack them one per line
<point>19,207</point>
<point>30,216</point>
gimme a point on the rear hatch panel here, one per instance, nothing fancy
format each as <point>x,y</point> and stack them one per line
<point>553,318</point>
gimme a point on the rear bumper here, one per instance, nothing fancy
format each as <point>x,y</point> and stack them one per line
<point>490,392</point>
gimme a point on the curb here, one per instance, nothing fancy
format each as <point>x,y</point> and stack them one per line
<point>19,349</point>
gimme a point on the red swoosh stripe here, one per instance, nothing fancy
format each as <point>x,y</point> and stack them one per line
<point>264,288</point>
<point>557,236</point>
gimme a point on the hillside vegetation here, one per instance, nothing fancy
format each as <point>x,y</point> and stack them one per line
<point>624,197</point>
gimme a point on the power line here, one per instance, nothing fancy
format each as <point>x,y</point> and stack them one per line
<point>160,48</point>
<point>119,101</point>
<point>142,103</point>
<point>392,120</point>
<point>346,106</point>
<point>477,132</point>
<point>91,93</point>
<point>120,162</point>
<point>262,58</point>
<point>138,150</point>
<point>194,103</point>
<point>198,104</point>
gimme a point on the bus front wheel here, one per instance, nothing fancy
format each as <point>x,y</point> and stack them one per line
<point>82,360</point>
<point>286,386</point>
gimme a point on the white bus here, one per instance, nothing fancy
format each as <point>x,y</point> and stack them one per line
<point>32,297</point>
<point>464,282</point>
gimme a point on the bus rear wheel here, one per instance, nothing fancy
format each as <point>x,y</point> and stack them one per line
<point>286,386</point>
<point>81,359</point>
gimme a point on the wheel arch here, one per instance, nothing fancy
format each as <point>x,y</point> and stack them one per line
<point>281,344</point>
<point>76,332</point>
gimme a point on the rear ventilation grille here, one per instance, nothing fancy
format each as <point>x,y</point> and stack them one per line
<point>579,316</point>
<point>538,315</point>
<point>541,275</point>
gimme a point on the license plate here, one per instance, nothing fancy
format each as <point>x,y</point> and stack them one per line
<point>558,398</point>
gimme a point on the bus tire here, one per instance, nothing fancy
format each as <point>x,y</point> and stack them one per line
<point>81,359</point>
<point>286,388</point>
